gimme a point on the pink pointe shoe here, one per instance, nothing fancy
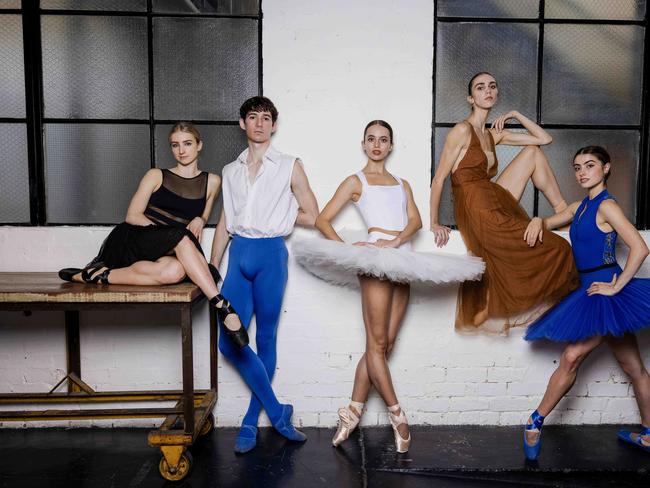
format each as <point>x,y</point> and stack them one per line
<point>348,421</point>
<point>401,444</point>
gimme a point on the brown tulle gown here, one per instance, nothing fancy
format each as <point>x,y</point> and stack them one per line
<point>520,282</point>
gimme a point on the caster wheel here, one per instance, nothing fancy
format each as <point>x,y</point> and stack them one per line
<point>208,425</point>
<point>179,472</point>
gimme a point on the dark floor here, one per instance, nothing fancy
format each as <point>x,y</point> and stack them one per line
<point>441,457</point>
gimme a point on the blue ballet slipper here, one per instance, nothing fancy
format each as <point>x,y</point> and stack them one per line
<point>626,436</point>
<point>246,439</point>
<point>532,450</point>
<point>284,426</point>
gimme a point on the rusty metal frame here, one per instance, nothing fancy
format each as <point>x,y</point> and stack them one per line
<point>193,406</point>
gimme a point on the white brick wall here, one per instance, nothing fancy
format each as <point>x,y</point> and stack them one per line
<point>330,67</point>
<point>440,377</point>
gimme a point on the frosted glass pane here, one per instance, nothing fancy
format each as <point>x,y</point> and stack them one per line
<point>204,68</point>
<point>508,51</point>
<point>234,7</point>
<point>623,147</point>
<point>595,9</point>
<point>124,5</point>
<point>95,67</point>
<point>446,212</point>
<point>14,184</point>
<point>488,8</point>
<point>221,145</point>
<point>6,4</point>
<point>592,74</point>
<point>505,154</point>
<point>92,170</point>
<point>12,74</point>
<point>250,7</point>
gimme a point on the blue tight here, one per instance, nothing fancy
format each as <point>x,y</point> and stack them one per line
<point>255,283</point>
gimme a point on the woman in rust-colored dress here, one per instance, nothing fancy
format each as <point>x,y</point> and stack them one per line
<point>527,270</point>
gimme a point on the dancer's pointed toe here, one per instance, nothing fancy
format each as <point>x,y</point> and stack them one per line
<point>246,439</point>
<point>284,426</point>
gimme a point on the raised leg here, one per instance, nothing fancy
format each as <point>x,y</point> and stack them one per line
<point>196,267</point>
<point>531,163</point>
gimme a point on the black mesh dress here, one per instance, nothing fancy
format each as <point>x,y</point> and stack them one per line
<point>171,207</point>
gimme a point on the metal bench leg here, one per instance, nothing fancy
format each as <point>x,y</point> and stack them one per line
<point>188,369</point>
<point>73,356</point>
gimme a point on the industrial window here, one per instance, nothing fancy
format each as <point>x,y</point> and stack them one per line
<point>90,88</point>
<point>576,68</point>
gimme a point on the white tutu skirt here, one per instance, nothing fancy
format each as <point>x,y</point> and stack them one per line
<point>341,263</point>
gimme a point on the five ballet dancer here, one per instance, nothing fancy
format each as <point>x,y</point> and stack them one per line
<point>266,192</point>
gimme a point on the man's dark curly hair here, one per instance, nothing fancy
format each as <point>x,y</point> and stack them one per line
<point>258,104</point>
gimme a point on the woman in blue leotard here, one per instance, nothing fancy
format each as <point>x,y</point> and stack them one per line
<point>610,304</point>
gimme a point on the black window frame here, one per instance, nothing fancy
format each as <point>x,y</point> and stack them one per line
<point>643,169</point>
<point>35,120</point>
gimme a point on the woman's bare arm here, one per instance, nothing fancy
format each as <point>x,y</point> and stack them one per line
<point>456,140</point>
<point>613,215</point>
<point>536,136</point>
<point>346,192</point>
<point>149,183</point>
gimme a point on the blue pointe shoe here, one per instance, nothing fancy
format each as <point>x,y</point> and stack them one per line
<point>284,426</point>
<point>246,439</point>
<point>626,436</point>
<point>532,450</point>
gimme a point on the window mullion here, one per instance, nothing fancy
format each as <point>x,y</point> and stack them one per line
<point>34,109</point>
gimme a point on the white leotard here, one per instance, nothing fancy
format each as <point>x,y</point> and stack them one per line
<point>383,206</point>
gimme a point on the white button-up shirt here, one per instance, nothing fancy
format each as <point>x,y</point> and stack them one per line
<point>266,207</point>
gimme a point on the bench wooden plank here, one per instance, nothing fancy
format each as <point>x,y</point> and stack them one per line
<point>31,287</point>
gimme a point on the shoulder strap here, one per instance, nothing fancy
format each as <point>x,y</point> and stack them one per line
<point>473,138</point>
<point>362,177</point>
<point>206,177</point>
<point>492,145</point>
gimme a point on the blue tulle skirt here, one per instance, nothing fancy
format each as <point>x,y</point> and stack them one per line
<point>580,316</point>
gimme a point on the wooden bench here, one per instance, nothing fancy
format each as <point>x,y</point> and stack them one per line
<point>24,292</point>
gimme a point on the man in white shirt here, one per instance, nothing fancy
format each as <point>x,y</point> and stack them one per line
<point>265,193</point>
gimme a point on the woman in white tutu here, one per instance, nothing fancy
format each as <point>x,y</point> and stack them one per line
<point>387,206</point>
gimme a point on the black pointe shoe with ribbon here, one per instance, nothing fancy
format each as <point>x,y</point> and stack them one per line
<point>90,274</point>
<point>216,276</point>
<point>223,309</point>
<point>67,274</point>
